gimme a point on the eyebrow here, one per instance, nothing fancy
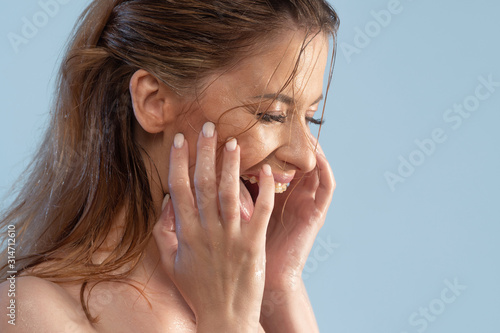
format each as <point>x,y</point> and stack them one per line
<point>285,98</point>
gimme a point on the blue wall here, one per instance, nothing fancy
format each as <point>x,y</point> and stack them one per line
<point>411,240</point>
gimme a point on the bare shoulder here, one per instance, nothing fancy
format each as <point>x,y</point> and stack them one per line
<point>32,304</point>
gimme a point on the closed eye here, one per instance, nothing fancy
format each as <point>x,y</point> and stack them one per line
<point>315,121</point>
<point>269,118</point>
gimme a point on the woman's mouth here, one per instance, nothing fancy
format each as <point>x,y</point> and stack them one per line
<point>278,187</point>
<point>249,190</point>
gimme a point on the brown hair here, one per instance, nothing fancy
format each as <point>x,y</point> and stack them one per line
<point>89,165</point>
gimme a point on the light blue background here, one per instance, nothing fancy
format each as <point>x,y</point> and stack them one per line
<point>390,251</point>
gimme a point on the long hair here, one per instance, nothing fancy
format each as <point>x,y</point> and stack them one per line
<point>89,164</point>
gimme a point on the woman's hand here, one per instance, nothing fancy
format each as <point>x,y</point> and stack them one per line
<point>298,215</point>
<point>217,261</point>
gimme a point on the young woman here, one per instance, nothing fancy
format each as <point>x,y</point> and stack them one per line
<point>178,188</point>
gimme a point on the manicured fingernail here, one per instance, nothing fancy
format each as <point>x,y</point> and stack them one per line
<point>179,140</point>
<point>231,145</point>
<point>165,201</point>
<point>267,170</point>
<point>208,130</point>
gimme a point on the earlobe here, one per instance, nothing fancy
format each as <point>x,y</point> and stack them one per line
<point>152,101</point>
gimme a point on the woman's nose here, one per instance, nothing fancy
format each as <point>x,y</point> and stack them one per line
<point>298,149</point>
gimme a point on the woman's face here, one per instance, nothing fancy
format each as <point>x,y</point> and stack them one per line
<point>235,100</point>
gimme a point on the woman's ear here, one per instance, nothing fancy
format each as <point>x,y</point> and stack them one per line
<point>155,104</point>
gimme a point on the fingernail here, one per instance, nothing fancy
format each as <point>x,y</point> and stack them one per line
<point>179,140</point>
<point>165,201</point>
<point>267,170</point>
<point>231,145</point>
<point>208,130</point>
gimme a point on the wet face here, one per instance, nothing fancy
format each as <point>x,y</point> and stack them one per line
<point>253,103</point>
<point>270,124</point>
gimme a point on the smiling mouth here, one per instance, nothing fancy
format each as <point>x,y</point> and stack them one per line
<point>249,191</point>
<point>251,182</point>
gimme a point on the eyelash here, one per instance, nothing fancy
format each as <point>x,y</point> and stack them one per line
<point>315,121</point>
<point>269,118</point>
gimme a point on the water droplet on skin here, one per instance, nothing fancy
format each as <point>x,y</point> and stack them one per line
<point>259,274</point>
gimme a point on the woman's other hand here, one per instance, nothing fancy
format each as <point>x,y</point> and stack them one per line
<point>216,259</point>
<point>296,220</point>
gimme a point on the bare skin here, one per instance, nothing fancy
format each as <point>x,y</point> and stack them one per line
<point>213,265</point>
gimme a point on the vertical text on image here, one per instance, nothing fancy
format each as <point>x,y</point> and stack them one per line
<point>11,278</point>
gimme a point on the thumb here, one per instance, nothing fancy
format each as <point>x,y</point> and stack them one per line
<point>165,236</point>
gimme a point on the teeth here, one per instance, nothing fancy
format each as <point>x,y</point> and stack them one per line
<point>252,180</point>
<point>278,187</point>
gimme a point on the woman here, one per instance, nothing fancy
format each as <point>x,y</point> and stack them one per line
<point>178,187</point>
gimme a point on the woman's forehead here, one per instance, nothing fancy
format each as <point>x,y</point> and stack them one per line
<point>270,70</point>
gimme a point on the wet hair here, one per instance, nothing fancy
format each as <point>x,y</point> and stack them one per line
<point>89,164</point>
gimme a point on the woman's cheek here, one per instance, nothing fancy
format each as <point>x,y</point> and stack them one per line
<point>256,149</point>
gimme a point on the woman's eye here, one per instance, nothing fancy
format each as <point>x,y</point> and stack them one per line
<point>315,121</point>
<point>269,118</point>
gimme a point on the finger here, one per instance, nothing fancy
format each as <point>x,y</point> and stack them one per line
<point>204,176</point>
<point>165,237</point>
<point>308,182</point>
<point>167,216</point>
<point>264,204</point>
<point>229,187</point>
<point>179,185</point>
<point>326,183</point>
